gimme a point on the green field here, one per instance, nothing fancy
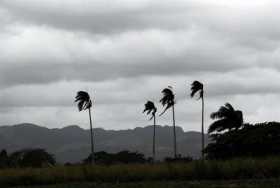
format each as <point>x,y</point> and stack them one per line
<point>232,173</point>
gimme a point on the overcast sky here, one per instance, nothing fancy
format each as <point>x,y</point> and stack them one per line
<point>124,52</point>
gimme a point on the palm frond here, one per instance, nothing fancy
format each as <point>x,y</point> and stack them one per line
<point>150,108</point>
<point>228,118</point>
<point>82,95</point>
<point>80,105</point>
<point>229,106</point>
<point>224,111</point>
<point>169,105</point>
<point>219,125</point>
<point>197,87</point>
<point>168,99</point>
<point>83,100</point>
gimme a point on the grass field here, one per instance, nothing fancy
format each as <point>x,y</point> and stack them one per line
<point>169,175</point>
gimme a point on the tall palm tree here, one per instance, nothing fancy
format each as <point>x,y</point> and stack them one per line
<point>168,101</point>
<point>197,87</point>
<point>84,103</point>
<point>150,108</point>
<point>227,119</point>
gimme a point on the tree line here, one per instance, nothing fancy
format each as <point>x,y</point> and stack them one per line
<point>39,158</point>
<point>26,158</point>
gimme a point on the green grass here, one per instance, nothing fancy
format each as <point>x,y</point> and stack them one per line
<point>237,169</point>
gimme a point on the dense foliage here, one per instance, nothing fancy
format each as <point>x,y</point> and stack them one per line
<point>257,140</point>
<point>227,118</point>
<point>26,158</point>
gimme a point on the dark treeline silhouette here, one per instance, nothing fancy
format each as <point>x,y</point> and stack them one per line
<point>251,140</point>
<point>233,138</point>
<point>39,158</point>
<point>127,157</point>
<point>124,157</point>
<point>26,158</point>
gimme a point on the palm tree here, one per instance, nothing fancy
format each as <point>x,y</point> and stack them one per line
<point>227,118</point>
<point>84,103</point>
<point>197,87</point>
<point>168,100</point>
<point>150,108</point>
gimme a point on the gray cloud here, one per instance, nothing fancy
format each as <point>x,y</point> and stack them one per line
<point>101,17</point>
<point>125,52</point>
<point>27,60</point>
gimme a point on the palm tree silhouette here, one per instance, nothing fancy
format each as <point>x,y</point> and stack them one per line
<point>150,108</point>
<point>197,87</point>
<point>84,103</point>
<point>168,100</point>
<point>227,118</point>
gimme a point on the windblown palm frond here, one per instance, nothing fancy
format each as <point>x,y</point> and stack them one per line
<point>196,87</point>
<point>220,125</point>
<point>229,106</point>
<point>83,100</point>
<point>227,118</point>
<point>168,99</point>
<point>224,112</point>
<point>150,108</point>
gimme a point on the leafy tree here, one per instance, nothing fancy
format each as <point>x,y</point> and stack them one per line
<point>227,118</point>
<point>85,103</point>
<point>31,158</point>
<point>150,108</point>
<point>197,87</point>
<point>168,101</point>
<point>258,140</point>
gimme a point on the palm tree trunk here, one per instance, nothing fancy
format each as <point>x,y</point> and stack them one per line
<point>154,140</point>
<point>174,133</point>
<point>202,129</point>
<point>91,137</point>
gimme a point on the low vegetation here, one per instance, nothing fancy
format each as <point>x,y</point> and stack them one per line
<point>271,183</point>
<point>235,169</point>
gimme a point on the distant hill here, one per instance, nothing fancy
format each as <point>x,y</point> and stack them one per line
<point>72,144</point>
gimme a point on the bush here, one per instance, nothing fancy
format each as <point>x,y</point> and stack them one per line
<point>31,158</point>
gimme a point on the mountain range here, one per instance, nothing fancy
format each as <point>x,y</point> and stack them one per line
<point>72,143</point>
